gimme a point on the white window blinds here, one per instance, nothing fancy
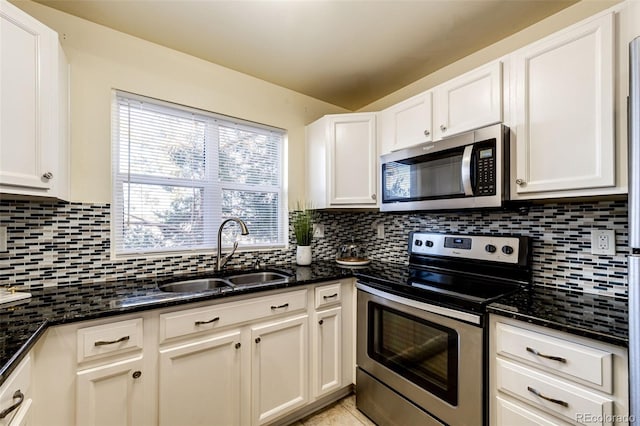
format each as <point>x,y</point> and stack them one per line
<point>179,172</point>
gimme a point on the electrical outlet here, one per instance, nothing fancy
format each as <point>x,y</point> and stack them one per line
<point>380,230</point>
<point>603,241</point>
<point>318,230</point>
<point>3,238</point>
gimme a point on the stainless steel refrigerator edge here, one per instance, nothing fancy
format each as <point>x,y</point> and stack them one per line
<point>634,229</point>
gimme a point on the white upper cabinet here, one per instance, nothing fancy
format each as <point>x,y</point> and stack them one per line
<point>33,151</point>
<point>342,161</point>
<point>469,101</point>
<point>563,112</point>
<point>405,124</point>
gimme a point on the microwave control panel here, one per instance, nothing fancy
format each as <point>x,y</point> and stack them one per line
<point>486,171</point>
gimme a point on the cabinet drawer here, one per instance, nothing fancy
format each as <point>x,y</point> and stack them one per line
<point>593,367</point>
<point>183,323</point>
<point>569,401</point>
<point>517,413</point>
<point>109,339</point>
<point>17,386</point>
<point>328,295</point>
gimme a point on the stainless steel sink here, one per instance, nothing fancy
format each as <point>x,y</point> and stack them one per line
<point>238,279</point>
<point>190,286</point>
<point>253,278</point>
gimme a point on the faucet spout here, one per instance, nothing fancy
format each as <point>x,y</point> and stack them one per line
<point>221,261</point>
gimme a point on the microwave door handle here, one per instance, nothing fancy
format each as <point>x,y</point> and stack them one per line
<point>466,170</point>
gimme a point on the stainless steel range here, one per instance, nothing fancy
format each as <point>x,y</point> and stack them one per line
<point>421,337</point>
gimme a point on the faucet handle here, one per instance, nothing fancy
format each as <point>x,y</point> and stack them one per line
<point>227,257</point>
<point>257,264</point>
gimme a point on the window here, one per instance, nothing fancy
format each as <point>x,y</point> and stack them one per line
<point>179,172</point>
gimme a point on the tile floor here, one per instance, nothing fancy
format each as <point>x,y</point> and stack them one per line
<point>340,413</point>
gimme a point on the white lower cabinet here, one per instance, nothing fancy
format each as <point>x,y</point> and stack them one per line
<point>16,396</point>
<point>326,345</point>
<point>199,381</point>
<point>509,412</point>
<point>540,376</point>
<point>111,394</point>
<point>247,360</point>
<point>279,368</point>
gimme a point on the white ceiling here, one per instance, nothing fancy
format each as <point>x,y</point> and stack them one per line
<point>345,52</point>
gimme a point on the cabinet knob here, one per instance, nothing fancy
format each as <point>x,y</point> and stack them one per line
<point>427,133</point>
<point>137,374</point>
<point>373,196</point>
<point>258,340</point>
<point>321,322</point>
<point>520,181</point>
<point>443,127</point>
<point>238,345</point>
<point>47,176</point>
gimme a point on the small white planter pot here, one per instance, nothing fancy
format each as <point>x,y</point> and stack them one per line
<point>303,255</point>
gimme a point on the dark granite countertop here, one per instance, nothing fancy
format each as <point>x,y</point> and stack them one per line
<point>23,322</point>
<point>590,315</point>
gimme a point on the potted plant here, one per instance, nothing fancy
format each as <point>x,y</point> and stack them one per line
<point>303,219</point>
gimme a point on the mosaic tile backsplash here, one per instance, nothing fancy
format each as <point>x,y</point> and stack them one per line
<point>68,243</point>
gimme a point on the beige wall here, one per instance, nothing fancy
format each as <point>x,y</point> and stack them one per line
<point>535,32</point>
<point>102,59</point>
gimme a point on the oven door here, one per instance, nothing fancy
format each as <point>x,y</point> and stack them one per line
<point>424,353</point>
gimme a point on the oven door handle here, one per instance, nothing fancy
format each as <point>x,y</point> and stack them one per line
<point>434,309</point>
<point>466,170</point>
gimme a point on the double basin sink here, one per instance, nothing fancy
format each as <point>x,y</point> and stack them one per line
<point>231,281</point>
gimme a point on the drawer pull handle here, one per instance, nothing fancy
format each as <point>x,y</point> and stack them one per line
<point>331,296</point>
<point>551,357</point>
<point>16,395</point>
<point>111,342</point>
<point>273,308</point>
<point>555,401</point>
<point>207,322</point>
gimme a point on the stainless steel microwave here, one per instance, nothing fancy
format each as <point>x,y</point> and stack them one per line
<point>465,171</point>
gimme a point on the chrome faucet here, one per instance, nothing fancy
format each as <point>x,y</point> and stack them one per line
<point>221,261</point>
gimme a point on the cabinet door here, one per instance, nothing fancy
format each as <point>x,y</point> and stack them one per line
<point>564,111</point>
<point>111,394</point>
<point>279,370</point>
<point>353,161</point>
<point>28,100</point>
<point>23,414</point>
<point>470,101</point>
<point>327,351</point>
<point>16,394</point>
<point>199,382</point>
<point>405,124</point>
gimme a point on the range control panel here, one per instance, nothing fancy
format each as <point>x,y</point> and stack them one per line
<point>477,247</point>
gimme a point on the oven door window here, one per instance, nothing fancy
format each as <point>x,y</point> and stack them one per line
<point>421,351</point>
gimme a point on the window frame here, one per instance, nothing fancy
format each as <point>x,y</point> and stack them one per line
<point>212,185</point>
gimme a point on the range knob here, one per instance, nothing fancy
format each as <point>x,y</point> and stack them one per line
<point>418,243</point>
<point>429,243</point>
<point>490,248</point>
<point>507,249</point>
